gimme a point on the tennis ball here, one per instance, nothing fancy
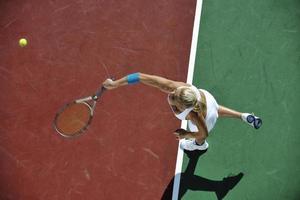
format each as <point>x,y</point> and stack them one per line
<point>22,42</point>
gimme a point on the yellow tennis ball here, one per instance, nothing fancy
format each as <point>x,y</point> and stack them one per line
<point>22,42</point>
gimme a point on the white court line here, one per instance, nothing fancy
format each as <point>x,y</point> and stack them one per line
<point>190,81</point>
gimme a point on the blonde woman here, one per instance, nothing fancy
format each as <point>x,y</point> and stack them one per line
<point>187,102</point>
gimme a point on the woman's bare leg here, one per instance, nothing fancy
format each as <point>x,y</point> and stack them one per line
<point>227,112</point>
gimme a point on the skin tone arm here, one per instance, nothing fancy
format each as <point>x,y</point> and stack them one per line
<point>202,133</point>
<point>161,83</point>
<point>167,86</point>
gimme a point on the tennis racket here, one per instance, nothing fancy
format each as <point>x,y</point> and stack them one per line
<point>74,118</point>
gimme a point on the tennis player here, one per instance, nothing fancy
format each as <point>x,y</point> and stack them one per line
<point>197,106</point>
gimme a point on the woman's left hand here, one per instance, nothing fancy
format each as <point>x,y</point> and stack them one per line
<point>180,134</point>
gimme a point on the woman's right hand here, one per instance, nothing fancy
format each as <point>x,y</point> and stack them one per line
<point>109,84</point>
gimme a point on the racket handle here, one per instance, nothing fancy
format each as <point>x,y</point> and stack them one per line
<point>100,91</point>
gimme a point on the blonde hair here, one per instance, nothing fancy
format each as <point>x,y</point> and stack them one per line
<point>188,98</point>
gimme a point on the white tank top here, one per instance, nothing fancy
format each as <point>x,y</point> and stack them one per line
<point>184,114</point>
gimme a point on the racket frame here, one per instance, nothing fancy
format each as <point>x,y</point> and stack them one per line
<point>84,101</point>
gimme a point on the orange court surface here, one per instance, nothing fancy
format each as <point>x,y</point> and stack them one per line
<point>129,151</point>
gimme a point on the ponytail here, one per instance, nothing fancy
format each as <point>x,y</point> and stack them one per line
<point>197,106</point>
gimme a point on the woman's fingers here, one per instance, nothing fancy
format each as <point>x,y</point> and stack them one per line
<point>108,84</point>
<point>178,136</point>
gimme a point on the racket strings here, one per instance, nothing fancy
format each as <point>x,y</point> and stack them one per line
<point>73,119</point>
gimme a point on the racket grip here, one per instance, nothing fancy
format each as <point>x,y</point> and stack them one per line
<point>100,91</point>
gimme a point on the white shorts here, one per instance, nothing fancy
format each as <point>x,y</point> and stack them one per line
<point>211,114</point>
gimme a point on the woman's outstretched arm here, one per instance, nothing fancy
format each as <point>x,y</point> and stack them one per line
<point>161,83</point>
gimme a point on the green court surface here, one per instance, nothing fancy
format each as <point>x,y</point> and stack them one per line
<point>248,57</point>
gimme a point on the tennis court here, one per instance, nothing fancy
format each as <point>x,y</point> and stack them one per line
<point>245,53</point>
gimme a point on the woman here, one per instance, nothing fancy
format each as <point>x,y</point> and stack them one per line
<point>187,102</point>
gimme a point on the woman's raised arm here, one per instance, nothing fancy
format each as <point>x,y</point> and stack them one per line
<point>161,83</point>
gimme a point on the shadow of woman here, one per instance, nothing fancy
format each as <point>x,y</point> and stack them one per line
<point>197,183</point>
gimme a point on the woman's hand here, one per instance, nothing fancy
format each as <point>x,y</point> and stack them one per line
<point>180,134</point>
<point>109,84</point>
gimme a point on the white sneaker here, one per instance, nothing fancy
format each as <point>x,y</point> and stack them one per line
<point>190,145</point>
<point>252,120</point>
